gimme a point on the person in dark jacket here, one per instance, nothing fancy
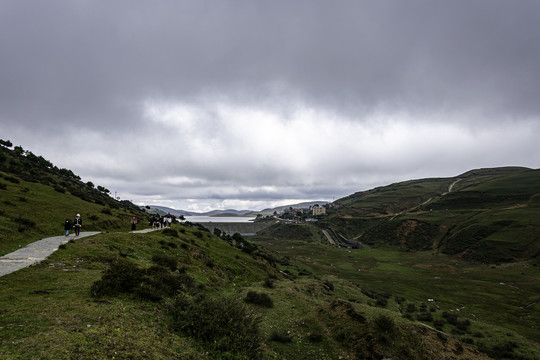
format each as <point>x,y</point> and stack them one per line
<point>67,226</point>
<point>77,223</point>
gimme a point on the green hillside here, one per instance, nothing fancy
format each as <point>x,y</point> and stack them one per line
<point>284,294</point>
<point>489,215</point>
<point>36,198</point>
<point>185,293</point>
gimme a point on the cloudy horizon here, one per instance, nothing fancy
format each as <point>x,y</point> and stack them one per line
<point>250,105</point>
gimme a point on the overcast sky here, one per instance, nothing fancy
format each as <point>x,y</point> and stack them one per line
<point>201,105</point>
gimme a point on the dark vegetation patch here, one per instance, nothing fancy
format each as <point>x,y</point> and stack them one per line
<point>170,232</point>
<point>153,284</point>
<point>410,234</point>
<point>225,326</point>
<point>258,298</point>
<point>281,337</point>
<point>169,262</point>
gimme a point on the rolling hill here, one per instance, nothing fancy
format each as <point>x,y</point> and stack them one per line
<point>283,294</point>
<point>36,198</point>
<point>484,215</point>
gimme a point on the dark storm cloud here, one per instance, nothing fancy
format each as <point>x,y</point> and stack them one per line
<point>87,61</point>
<point>238,92</point>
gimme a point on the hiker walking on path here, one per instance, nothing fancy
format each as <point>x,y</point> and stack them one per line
<point>77,223</point>
<point>67,226</point>
<point>133,223</point>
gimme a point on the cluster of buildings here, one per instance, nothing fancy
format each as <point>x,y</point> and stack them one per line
<point>305,214</point>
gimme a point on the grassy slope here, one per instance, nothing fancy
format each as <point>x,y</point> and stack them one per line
<point>43,212</point>
<point>502,302</point>
<point>490,215</point>
<point>325,306</point>
<point>36,198</point>
<point>46,311</point>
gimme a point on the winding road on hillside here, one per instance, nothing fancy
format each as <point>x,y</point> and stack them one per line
<point>39,250</point>
<point>450,187</point>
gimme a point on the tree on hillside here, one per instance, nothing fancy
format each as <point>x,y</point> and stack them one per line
<point>102,189</point>
<point>6,143</point>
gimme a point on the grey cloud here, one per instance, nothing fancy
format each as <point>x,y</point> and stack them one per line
<point>87,69</point>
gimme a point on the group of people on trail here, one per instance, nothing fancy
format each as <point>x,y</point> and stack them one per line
<point>158,222</point>
<point>77,223</point>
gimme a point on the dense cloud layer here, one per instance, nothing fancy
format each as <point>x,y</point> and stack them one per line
<point>250,104</point>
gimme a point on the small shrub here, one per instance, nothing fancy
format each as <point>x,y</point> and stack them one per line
<point>280,337</point>
<point>315,337</point>
<point>59,189</point>
<point>329,285</point>
<point>384,323</point>
<point>224,325</point>
<point>12,179</point>
<point>381,301</point>
<point>170,232</point>
<point>166,261</point>
<point>3,186</point>
<point>411,308</point>
<point>425,316</point>
<point>121,277</point>
<point>463,324</point>
<point>450,318</point>
<point>198,234</point>
<point>438,323</point>
<point>106,211</point>
<point>257,298</point>
<point>268,283</point>
<point>399,299</point>
<point>93,217</point>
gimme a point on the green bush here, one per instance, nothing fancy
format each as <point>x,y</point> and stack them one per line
<point>170,232</point>
<point>166,261</point>
<point>257,298</point>
<point>424,316</point>
<point>450,318</point>
<point>152,284</point>
<point>268,283</point>
<point>224,325</point>
<point>281,337</point>
<point>315,337</point>
<point>121,277</point>
<point>384,324</point>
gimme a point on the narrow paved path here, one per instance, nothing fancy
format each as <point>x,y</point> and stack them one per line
<point>38,251</point>
<point>35,252</point>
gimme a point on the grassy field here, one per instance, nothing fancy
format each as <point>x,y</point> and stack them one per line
<point>501,301</point>
<point>316,307</point>
<point>185,293</point>
<point>32,211</point>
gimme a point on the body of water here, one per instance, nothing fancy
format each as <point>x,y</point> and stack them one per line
<point>219,219</point>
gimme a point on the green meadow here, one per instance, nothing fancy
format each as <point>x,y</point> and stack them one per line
<point>446,275</point>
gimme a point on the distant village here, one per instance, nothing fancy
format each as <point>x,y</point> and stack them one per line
<point>313,213</point>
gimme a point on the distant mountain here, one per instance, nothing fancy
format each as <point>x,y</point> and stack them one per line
<point>228,212</point>
<point>163,210</point>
